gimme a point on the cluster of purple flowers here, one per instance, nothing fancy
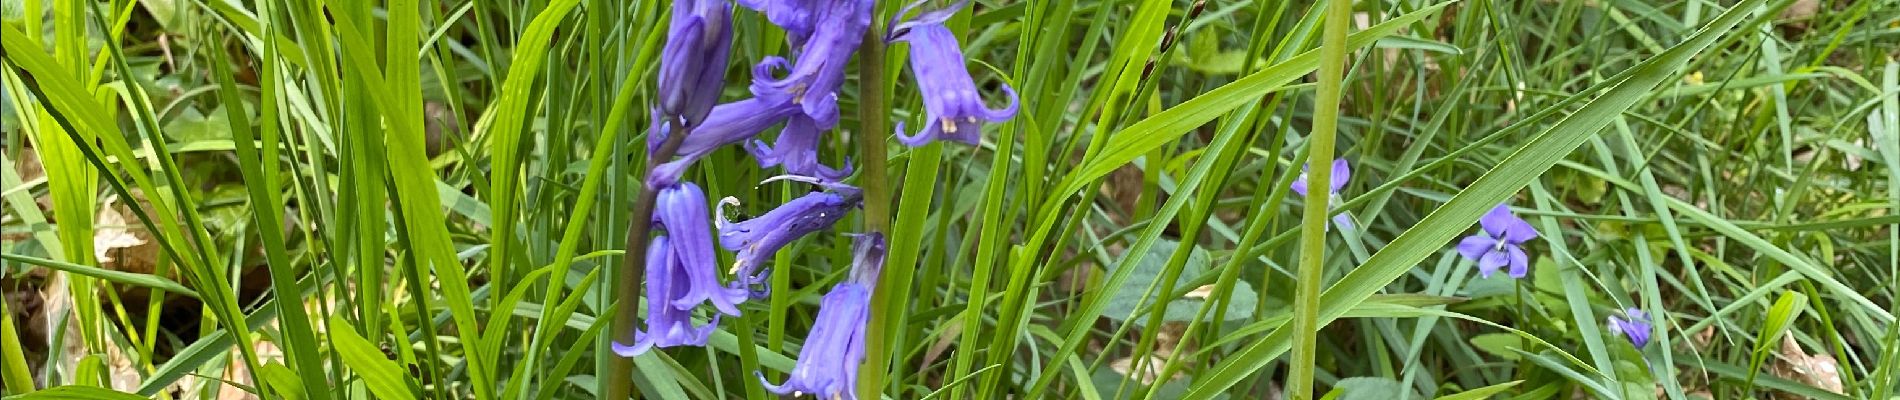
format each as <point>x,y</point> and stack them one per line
<point>689,123</point>
<point>1497,245</point>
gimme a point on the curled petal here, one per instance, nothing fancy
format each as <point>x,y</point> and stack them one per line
<point>1005,113</point>
<point>930,133</point>
<point>797,151</point>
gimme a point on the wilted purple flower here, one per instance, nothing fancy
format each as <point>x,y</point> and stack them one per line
<point>1636,326</point>
<point>951,101</point>
<point>757,239</point>
<point>1499,243</point>
<point>813,81</point>
<point>828,364</point>
<point>681,212</point>
<point>693,61</point>
<point>1342,173</point>
<point>797,151</point>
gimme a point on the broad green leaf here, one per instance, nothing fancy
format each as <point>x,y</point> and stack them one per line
<point>1498,344</point>
<point>1130,296</point>
<point>1372,388</point>
<point>383,376</point>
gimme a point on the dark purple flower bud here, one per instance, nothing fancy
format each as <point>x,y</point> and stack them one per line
<point>757,239</point>
<point>797,151</point>
<point>680,210</point>
<point>1499,243</point>
<point>693,61</point>
<point>1636,326</point>
<point>951,102</point>
<point>814,79</point>
<point>828,364</point>
<point>1342,173</point>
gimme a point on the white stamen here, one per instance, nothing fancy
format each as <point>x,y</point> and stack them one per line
<point>794,178</point>
<point>719,213</point>
<point>949,125</point>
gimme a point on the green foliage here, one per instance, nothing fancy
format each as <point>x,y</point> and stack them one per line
<point>430,199</point>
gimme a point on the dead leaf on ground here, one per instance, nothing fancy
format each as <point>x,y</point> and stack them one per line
<point>1818,370</point>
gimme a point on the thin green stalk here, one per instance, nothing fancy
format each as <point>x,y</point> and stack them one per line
<point>1306,324</point>
<point>873,111</point>
<point>633,267</point>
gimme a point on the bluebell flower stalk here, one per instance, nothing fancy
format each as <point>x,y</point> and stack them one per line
<point>833,352</point>
<point>1499,243</point>
<point>1342,174</point>
<point>952,104</point>
<point>693,61</point>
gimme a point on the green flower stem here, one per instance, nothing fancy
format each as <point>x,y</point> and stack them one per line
<point>1306,324</point>
<point>633,268</point>
<point>873,111</point>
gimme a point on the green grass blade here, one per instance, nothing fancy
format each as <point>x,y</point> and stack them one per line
<point>1437,229</point>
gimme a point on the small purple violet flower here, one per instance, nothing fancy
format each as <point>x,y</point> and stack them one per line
<point>693,61</point>
<point>757,239</point>
<point>828,364</point>
<point>797,151</point>
<point>951,100</point>
<point>1499,243</point>
<point>1342,173</point>
<point>1636,326</point>
<point>813,81</point>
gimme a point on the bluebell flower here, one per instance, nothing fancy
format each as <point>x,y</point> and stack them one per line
<point>812,82</point>
<point>693,61</point>
<point>1635,326</point>
<point>757,239</point>
<point>1499,243</point>
<point>1342,173</point>
<point>680,211</point>
<point>667,326</point>
<point>834,350</point>
<point>794,16</point>
<point>951,102</point>
<point>729,123</point>
<point>797,151</point>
